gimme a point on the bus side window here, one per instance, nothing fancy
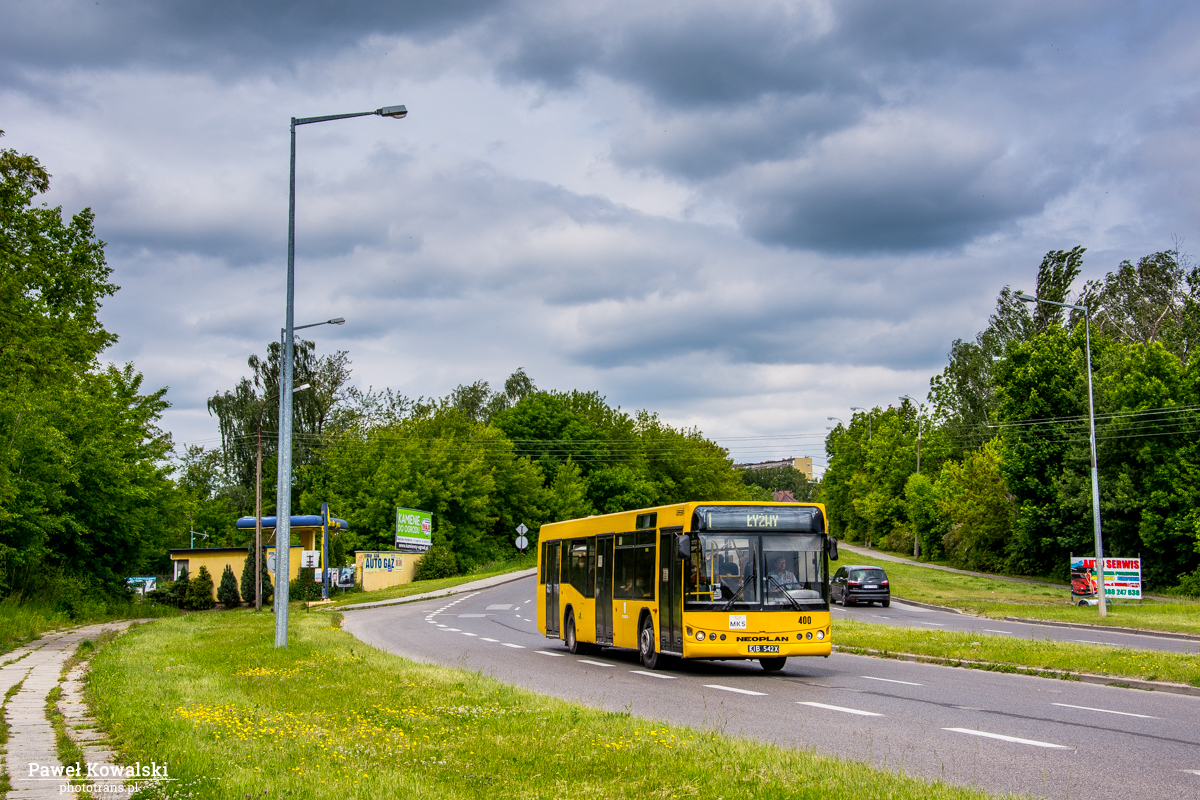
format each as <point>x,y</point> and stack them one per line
<point>643,581</point>
<point>589,588</point>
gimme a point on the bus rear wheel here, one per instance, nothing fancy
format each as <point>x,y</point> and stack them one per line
<point>646,644</point>
<point>773,664</point>
<point>573,645</point>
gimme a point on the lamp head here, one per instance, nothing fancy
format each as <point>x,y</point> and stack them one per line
<point>394,112</point>
<point>337,321</point>
<point>1024,298</point>
<point>302,387</point>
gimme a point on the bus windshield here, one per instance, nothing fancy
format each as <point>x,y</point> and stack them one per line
<point>771,572</point>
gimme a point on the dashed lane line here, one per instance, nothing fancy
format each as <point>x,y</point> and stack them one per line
<point>842,709</point>
<point>516,646</point>
<point>450,630</point>
<point>1013,739</point>
<point>486,639</point>
<point>1105,711</point>
<point>595,663</point>
<point>468,633</point>
<point>733,689</point>
<point>548,653</point>
<point>992,630</point>
<point>653,674</point>
<point>1089,641</point>
<point>890,680</point>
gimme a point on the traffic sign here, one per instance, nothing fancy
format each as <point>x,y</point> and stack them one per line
<point>271,563</point>
<point>521,529</point>
<point>521,541</point>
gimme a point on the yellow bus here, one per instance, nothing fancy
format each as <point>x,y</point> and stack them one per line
<point>707,580</point>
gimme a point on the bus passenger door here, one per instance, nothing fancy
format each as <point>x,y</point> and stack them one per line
<point>604,589</point>
<point>551,562</point>
<point>670,593</point>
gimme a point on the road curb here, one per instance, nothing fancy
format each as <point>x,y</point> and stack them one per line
<point>931,606</point>
<point>486,583</point>
<point>1084,626</point>
<point>992,666</point>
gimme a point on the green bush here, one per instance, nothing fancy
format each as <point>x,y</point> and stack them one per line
<point>227,592</point>
<point>200,592</point>
<point>304,588</point>
<point>439,562</point>
<point>1189,585</point>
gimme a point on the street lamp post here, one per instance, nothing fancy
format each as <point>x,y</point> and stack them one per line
<point>1087,337</point>
<point>283,504</point>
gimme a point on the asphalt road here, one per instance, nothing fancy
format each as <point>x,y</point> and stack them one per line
<point>900,613</point>
<point>999,732</point>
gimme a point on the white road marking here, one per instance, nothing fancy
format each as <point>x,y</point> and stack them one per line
<point>468,633</point>
<point>440,625</point>
<point>889,680</point>
<point>486,639</point>
<point>1013,739</point>
<point>1191,771</point>
<point>652,674</point>
<point>548,653</point>
<point>518,646</point>
<point>731,689</point>
<point>913,609</point>
<point>923,622</point>
<point>1105,711</point>
<point>839,708</point>
<point>595,663</point>
<point>1088,641</point>
<point>499,607</point>
<point>992,630</point>
<point>471,616</point>
<point>451,630</point>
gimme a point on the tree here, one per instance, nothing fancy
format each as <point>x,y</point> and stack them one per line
<point>227,592</point>
<point>248,586</point>
<point>975,500</point>
<point>199,595</point>
<point>84,484</point>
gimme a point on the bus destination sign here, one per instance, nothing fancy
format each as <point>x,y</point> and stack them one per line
<point>765,518</point>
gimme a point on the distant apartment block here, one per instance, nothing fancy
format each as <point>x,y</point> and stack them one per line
<point>804,465</point>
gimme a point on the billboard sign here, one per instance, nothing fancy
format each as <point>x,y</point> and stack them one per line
<point>381,562</point>
<point>1122,578</point>
<point>414,530</point>
<point>141,585</point>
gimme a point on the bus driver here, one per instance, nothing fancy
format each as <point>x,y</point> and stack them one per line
<point>781,577</point>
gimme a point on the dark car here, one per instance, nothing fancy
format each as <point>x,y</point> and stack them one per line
<point>860,584</point>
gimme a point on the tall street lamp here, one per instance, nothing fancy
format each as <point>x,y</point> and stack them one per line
<point>283,504</point>
<point>1087,334</point>
<point>258,503</point>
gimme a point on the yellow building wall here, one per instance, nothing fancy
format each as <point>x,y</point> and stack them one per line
<point>216,559</point>
<point>381,569</point>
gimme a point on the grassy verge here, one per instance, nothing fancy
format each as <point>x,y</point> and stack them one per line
<point>330,717</point>
<point>24,620</point>
<point>991,597</point>
<point>5,785</point>
<point>1008,652</point>
<point>417,587</point>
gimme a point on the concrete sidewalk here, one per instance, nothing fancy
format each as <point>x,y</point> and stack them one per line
<point>37,667</point>
<point>495,580</point>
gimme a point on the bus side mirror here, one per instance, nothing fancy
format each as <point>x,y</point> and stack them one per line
<point>831,546</point>
<point>683,546</point>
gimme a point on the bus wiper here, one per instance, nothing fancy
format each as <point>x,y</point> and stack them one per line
<point>742,588</point>
<point>791,599</point>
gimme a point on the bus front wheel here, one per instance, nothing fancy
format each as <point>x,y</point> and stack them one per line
<point>773,664</point>
<point>646,644</point>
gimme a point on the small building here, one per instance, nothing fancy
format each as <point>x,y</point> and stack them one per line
<point>804,465</point>
<point>306,527</point>
<point>380,569</point>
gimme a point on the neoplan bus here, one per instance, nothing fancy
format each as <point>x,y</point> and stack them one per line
<point>707,580</point>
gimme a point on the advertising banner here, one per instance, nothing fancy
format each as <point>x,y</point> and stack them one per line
<point>414,530</point>
<point>1122,578</point>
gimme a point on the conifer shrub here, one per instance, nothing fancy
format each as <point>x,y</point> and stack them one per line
<point>227,592</point>
<point>199,595</point>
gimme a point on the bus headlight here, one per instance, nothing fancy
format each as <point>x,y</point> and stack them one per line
<point>820,635</point>
<point>700,635</point>
<point>809,634</point>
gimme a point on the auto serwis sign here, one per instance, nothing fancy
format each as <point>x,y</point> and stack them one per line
<point>414,530</point>
<point>1122,578</point>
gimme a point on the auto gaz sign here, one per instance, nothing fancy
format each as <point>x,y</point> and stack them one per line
<point>414,530</point>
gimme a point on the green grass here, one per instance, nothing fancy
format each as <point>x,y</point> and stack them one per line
<point>1007,653</point>
<point>996,598</point>
<point>330,717</point>
<point>22,620</point>
<point>417,587</point>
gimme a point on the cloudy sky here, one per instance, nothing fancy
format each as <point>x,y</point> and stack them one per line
<point>747,216</point>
